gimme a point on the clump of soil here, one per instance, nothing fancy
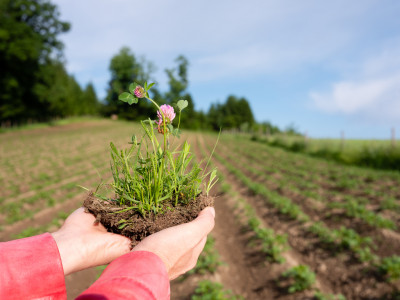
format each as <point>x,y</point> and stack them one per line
<point>138,227</point>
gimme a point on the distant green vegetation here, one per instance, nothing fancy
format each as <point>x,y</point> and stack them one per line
<point>125,68</point>
<point>35,86</point>
<point>378,154</point>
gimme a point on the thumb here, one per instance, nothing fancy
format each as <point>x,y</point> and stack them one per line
<point>204,222</point>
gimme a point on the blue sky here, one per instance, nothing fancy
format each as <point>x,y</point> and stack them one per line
<point>324,66</point>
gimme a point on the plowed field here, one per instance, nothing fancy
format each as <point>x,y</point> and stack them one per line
<point>340,222</point>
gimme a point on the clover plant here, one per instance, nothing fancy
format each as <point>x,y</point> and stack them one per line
<point>149,176</point>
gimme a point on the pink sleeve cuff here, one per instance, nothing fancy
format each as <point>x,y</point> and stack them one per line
<point>136,275</point>
<point>31,268</point>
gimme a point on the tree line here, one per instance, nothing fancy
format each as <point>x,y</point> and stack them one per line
<point>35,86</point>
<point>126,68</point>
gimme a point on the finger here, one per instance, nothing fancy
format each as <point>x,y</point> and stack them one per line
<point>117,245</point>
<point>80,215</point>
<point>204,223</point>
<point>208,209</point>
<point>197,229</point>
<point>188,234</point>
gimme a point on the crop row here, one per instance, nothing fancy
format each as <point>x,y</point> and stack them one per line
<point>27,207</point>
<point>330,176</point>
<point>57,176</point>
<point>282,204</point>
<point>344,237</point>
<point>301,186</point>
<point>273,245</point>
<point>347,239</point>
<point>60,141</point>
<point>39,229</point>
<point>54,160</point>
<point>338,176</point>
<point>65,158</point>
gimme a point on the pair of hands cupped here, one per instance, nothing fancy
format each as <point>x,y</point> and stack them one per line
<point>82,243</point>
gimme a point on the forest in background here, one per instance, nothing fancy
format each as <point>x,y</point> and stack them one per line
<point>34,84</point>
<point>36,87</point>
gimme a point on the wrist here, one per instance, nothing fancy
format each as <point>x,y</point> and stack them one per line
<point>70,252</point>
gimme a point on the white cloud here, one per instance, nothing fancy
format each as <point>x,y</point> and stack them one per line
<point>354,97</point>
<point>372,92</point>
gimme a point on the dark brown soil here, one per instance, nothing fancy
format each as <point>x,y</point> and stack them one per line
<point>138,226</point>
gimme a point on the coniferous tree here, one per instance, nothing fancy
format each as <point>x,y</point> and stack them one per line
<point>89,100</point>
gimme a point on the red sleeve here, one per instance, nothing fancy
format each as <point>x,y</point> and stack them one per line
<point>136,275</point>
<point>31,268</point>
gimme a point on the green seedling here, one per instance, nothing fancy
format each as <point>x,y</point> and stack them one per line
<point>303,278</point>
<point>390,267</point>
<point>345,239</point>
<point>272,244</point>
<point>321,296</point>
<point>208,290</point>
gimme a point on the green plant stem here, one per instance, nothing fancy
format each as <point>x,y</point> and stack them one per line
<point>179,118</point>
<point>212,152</point>
<point>164,163</point>
<point>164,125</point>
<point>179,122</point>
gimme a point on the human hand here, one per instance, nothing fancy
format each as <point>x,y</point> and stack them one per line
<point>82,243</point>
<point>180,246</point>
